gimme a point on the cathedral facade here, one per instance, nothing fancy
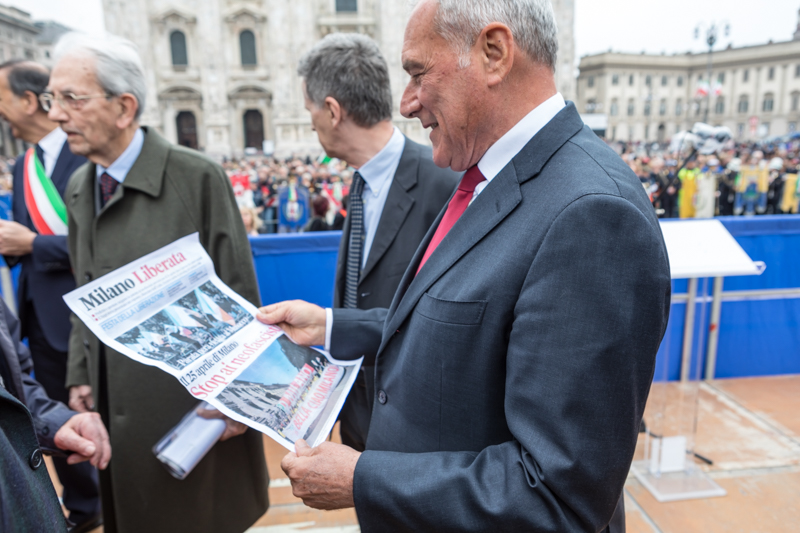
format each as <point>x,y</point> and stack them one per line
<point>222,74</point>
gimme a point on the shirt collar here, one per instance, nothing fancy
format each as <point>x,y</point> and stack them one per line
<point>119,169</point>
<point>379,170</point>
<point>509,145</point>
<point>53,142</point>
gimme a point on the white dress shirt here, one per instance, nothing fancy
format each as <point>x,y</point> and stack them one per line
<point>119,169</point>
<point>378,174</point>
<point>496,158</point>
<point>51,145</point>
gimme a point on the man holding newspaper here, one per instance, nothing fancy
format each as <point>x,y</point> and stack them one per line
<point>513,366</point>
<point>137,194</point>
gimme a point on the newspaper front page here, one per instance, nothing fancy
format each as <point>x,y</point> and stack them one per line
<point>170,310</point>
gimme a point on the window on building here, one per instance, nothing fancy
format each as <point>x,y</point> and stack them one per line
<point>797,71</point>
<point>247,46</point>
<point>744,104</point>
<point>719,107</point>
<point>630,80</point>
<point>590,81</point>
<point>769,103</point>
<point>699,77</point>
<point>591,105</point>
<point>771,73</point>
<point>721,78</point>
<point>662,108</point>
<point>745,75</point>
<point>614,110</point>
<point>680,81</point>
<point>615,79</point>
<point>792,127</point>
<point>664,81</point>
<point>177,42</point>
<point>29,54</point>
<point>678,107</point>
<point>740,130</point>
<point>346,6</point>
<point>795,101</point>
<point>647,108</point>
<point>631,107</point>
<point>648,80</point>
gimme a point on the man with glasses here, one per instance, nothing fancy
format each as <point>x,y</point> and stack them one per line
<point>137,194</point>
<point>37,239</point>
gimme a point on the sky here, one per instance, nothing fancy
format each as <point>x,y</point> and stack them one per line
<point>654,26</point>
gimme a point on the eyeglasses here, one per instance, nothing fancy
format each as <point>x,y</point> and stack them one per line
<point>67,101</point>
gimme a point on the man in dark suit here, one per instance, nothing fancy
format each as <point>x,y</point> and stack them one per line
<point>513,366</point>
<point>31,422</point>
<point>397,191</point>
<point>38,241</point>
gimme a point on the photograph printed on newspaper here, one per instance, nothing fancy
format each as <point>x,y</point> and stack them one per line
<point>170,310</point>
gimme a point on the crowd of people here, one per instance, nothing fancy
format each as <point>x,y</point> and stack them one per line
<point>737,180</point>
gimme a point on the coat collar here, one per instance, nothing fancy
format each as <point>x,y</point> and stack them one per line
<point>146,175</point>
<point>398,204</point>
<point>488,210</point>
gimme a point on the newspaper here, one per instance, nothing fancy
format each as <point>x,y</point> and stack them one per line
<point>170,310</point>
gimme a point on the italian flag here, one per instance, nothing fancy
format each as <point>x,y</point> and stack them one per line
<point>47,209</point>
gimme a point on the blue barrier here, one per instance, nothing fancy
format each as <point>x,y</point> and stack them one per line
<point>756,337</point>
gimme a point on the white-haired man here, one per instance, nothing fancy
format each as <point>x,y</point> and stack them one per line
<point>137,194</point>
<point>513,366</point>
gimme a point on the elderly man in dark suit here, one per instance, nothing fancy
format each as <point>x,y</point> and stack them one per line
<point>37,239</point>
<point>137,194</point>
<point>397,191</point>
<point>31,422</point>
<point>513,366</point>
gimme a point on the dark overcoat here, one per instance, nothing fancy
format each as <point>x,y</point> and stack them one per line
<point>170,192</point>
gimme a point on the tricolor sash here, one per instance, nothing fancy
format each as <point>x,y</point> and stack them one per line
<point>47,209</point>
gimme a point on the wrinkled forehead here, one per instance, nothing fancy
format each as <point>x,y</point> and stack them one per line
<point>74,72</point>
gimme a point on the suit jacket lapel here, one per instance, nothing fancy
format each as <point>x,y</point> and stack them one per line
<point>398,204</point>
<point>494,204</point>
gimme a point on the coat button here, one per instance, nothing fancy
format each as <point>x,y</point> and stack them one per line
<point>36,459</point>
<point>382,397</point>
<point>86,344</point>
<point>88,276</point>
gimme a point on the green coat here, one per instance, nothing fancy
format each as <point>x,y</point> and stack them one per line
<point>169,193</point>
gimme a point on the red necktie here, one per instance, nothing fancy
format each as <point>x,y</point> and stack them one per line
<point>458,204</point>
<point>107,186</point>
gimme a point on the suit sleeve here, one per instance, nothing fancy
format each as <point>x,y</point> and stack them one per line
<point>50,253</point>
<point>48,415</point>
<point>580,358</point>
<point>357,333</point>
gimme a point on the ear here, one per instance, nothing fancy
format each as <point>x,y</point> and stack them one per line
<point>334,110</point>
<point>128,105</point>
<point>497,51</point>
<point>30,103</point>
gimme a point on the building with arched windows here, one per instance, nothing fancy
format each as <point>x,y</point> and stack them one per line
<point>222,73</point>
<point>755,91</point>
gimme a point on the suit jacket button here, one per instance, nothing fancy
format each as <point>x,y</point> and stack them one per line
<point>382,397</point>
<point>36,459</point>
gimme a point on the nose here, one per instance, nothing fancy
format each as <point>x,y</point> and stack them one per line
<point>56,113</point>
<point>409,103</point>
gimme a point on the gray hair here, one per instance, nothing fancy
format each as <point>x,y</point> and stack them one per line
<point>349,67</point>
<point>118,69</point>
<point>532,23</point>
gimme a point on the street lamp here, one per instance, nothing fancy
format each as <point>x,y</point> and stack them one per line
<point>711,40</point>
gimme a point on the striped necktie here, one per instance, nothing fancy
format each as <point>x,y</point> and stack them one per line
<point>355,245</point>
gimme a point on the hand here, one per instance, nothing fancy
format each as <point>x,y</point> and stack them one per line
<point>302,321</point>
<point>85,435</point>
<point>232,427</point>
<point>323,476</point>
<point>15,239</point>
<point>80,399</point>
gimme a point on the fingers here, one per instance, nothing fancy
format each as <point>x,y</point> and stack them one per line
<point>232,429</point>
<point>273,314</point>
<point>288,463</point>
<point>85,435</point>
<point>80,398</point>
<point>210,414</point>
<point>302,449</point>
<point>68,439</point>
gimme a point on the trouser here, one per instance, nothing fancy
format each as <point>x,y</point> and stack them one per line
<point>357,410</point>
<point>81,495</point>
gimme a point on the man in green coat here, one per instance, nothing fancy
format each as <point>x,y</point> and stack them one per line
<point>138,194</point>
